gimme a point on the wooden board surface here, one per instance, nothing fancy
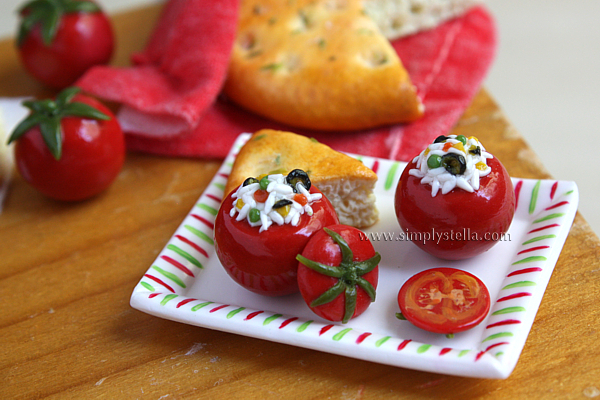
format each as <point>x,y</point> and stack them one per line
<point>67,272</point>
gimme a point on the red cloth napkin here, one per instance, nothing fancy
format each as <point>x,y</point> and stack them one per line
<point>446,64</point>
<point>180,72</point>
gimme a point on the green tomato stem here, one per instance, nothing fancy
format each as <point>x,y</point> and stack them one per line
<point>349,274</point>
<point>48,13</point>
<point>48,114</point>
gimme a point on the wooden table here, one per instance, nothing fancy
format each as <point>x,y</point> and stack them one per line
<point>67,272</point>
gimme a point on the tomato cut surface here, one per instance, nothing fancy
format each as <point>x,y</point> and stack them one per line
<point>444,300</point>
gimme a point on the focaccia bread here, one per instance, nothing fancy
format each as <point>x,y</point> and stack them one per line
<point>347,182</point>
<point>397,18</point>
<point>318,64</point>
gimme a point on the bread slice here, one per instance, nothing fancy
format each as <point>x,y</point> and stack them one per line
<point>318,64</point>
<point>398,18</point>
<point>345,181</point>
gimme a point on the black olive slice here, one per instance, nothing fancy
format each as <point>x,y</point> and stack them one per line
<point>296,176</point>
<point>454,163</point>
<point>476,151</point>
<point>440,139</point>
<point>250,180</point>
<point>282,203</point>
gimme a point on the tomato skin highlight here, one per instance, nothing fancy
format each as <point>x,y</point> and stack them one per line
<point>323,249</point>
<point>265,262</point>
<point>93,153</point>
<point>487,212</point>
<point>82,41</point>
<point>427,300</point>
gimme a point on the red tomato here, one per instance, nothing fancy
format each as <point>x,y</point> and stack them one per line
<point>265,262</point>
<point>83,39</point>
<point>93,152</point>
<point>444,300</point>
<point>342,284</point>
<point>458,224</point>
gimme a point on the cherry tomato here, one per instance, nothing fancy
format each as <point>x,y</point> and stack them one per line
<point>89,155</point>
<point>265,262</point>
<point>59,40</point>
<point>444,300</point>
<point>338,273</point>
<point>458,224</point>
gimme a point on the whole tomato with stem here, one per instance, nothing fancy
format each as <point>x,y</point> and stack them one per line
<point>264,261</point>
<point>338,273</point>
<point>59,40</point>
<point>70,148</point>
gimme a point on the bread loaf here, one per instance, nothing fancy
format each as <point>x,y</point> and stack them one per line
<point>397,18</point>
<point>318,64</point>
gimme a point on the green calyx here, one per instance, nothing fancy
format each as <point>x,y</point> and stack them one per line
<point>47,114</point>
<point>349,274</point>
<point>48,13</point>
<point>400,316</point>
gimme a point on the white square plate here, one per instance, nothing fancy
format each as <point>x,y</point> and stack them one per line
<point>186,283</point>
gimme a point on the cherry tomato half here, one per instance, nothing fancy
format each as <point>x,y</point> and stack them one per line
<point>444,300</point>
<point>265,262</point>
<point>342,284</point>
<point>93,152</point>
<point>456,225</point>
<point>82,40</point>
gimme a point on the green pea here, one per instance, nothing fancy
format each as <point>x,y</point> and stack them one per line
<point>434,161</point>
<point>264,182</point>
<point>254,215</point>
<point>462,138</point>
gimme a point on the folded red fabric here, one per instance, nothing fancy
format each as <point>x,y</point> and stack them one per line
<point>180,72</point>
<point>447,65</point>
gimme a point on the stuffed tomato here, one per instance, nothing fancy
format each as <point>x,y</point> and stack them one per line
<point>455,200</point>
<point>263,224</point>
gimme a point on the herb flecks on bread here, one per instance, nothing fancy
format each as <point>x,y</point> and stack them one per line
<point>345,181</point>
<point>319,65</point>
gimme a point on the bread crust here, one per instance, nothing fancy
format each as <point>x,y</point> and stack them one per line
<point>270,151</point>
<point>318,65</point>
